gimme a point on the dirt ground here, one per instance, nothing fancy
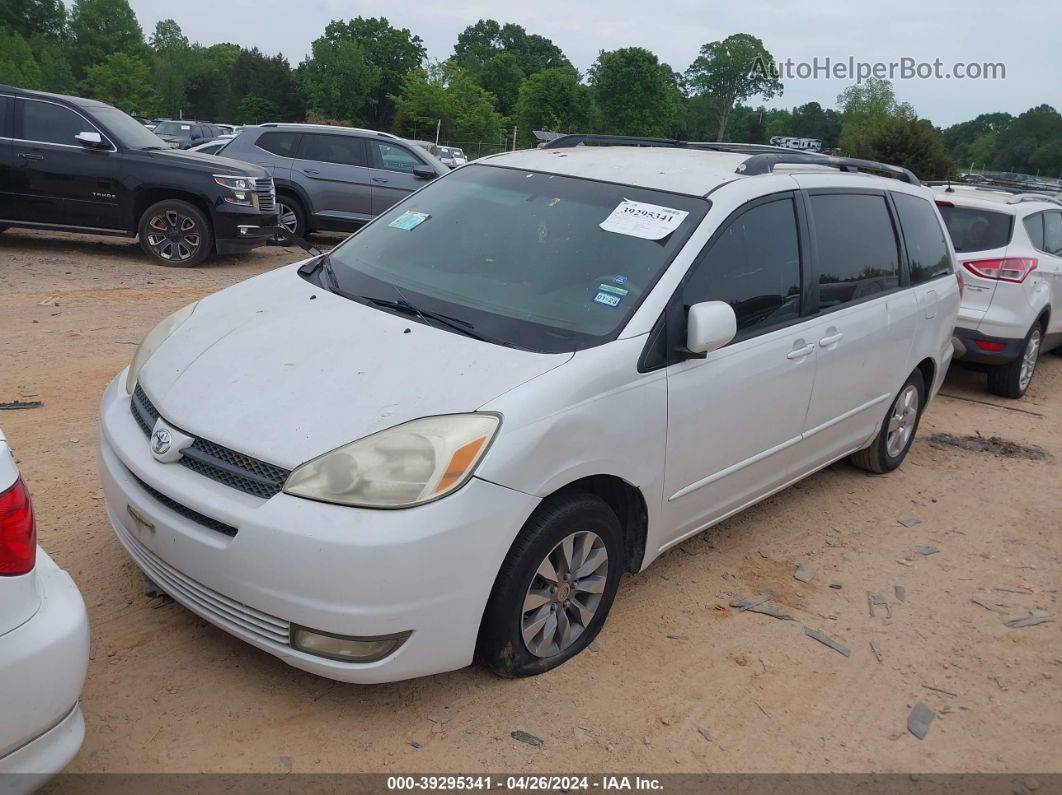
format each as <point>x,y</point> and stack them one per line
<point>677,681</point>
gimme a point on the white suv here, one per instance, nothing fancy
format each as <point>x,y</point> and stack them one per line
<point>1010,249</point>
<point>457,430</point>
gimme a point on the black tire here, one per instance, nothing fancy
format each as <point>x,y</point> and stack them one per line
<point>877,458</point>
<point>167,229</point>
<point>1006,380</point>
<point>295,206</point>
<point>501,645</point>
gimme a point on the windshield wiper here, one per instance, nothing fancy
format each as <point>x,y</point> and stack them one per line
<point>456,324</point>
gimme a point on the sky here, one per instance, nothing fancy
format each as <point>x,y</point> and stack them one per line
<point>1024,35</point>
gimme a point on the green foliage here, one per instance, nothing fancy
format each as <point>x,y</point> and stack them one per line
<point>254,109</point>
<point>502,77</point>
<point>635,93</point>
<point>865,107</point>
<point>480,43</point>
<point>336,79</point>
<point>1030,144</point>
<point>34,17</point>
<point>446,94</point>
<point>555,100</point>
<point>100,28</point>
<point>123,81</point>
<point>17,65</point>
<point>55,71</point>
<point>732,70</point>
<point>909,142</point>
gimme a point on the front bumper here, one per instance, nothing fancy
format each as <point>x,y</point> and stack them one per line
<point>43,663</point>
<point>239,229</point>
<point>1009,348</point>
<point>341,570</point>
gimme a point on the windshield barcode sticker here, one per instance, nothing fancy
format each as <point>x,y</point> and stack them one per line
<point>647,221</point>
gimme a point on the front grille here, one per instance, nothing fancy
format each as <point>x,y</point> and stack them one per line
<point>228,467</point>
<point>266,194</point>
<point>214,607</point>
<point>185,511</point>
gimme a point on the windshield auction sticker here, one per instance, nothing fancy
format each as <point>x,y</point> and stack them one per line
<point>647,221</point>
<point>409,220</point>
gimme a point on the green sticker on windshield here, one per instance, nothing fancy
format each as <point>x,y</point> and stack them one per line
<point>409,220</point>
<point>608,288</point>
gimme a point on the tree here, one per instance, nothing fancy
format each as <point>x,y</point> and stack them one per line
<point>34,17</point>
<point>478,44</point>
<point>864,108</point>
<point>502,77</point>
<point>386,55</point>
<point>732,70</point>
<point>172,66</point>
<point>102,27</point>
<point>336,79</point>
<point>270,79</point>
<point>635,93</point>
<point>50,54</point>
<point>17,65</point>
<point>1029,143</point>
<point>554,100</point>
<point>254,110</point>
<point>445,94</point>
<point>421,104</point>
<point>912,143</point>
<point>123,81</point>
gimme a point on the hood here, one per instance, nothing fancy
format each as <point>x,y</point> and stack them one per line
<point>212,163</point>
<point>284,371</point>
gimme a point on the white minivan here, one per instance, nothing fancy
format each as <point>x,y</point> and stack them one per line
<point>452,435</point>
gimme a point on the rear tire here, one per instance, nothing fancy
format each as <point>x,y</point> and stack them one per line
<point>175,233</point>
<point>291,210</point>
<point>1012,380</point>
<point>555,588</point>
<point>898,429</point>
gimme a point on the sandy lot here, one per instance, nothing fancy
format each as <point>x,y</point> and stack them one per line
<point>168,692</point>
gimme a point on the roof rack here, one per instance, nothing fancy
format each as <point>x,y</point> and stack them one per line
<point>1018,198</point>
<point>575,139</point>
<point>765,163</point>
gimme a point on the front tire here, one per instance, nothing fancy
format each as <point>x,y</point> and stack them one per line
<point>290,215</point>
<point>555,588</point>
<point>1012,380</point>
<point>897,431</point>
<point>175,233</point>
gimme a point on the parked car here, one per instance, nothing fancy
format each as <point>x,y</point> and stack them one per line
<point>458,429</point>
<point>446,157</point>
<point>212,147</point>
<point>44,647</point>
<point>229,129</point>
<point>458,156</point>
<point>78,165</point>
<point>333,178</point>
<point>186,134</point>
<point>1010,247</point>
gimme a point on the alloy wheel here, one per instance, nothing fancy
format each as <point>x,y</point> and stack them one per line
<point>174,236</point>
<point>564,594</point>
<point>902,421</point>
<point>1028,359</point>
<point>286,218</point>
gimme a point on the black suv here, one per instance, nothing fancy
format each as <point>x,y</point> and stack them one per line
<point>78,165</point>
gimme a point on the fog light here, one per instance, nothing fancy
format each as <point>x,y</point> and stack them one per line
<point>346,648</point>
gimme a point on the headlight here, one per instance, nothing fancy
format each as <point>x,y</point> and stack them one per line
<point>153,340</point>
<point>410,464</point>
<point>242,189</point>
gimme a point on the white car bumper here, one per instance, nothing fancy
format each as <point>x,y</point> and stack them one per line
<point>347,571</point>
<point>42,669</point>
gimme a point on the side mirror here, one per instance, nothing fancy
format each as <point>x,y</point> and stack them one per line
<point>90,140</point>
<point>424,172</point>
<point>709,326</point>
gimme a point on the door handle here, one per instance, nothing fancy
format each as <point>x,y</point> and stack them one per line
<point>378,179</point>
<point>800,353</point>
<point>826,342</point>
<point>310,171</point>
<point>30,156</point>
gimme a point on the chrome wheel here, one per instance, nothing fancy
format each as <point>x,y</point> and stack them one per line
<point>564,594</point>
<point>1028,359</point>
<point>902,420</point>
<point>174,236</point>
<point>286,218</point>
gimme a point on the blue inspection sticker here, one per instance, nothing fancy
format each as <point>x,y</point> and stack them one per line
<point>621,279</point>
<point>409,220</point>
<point>608,299</point>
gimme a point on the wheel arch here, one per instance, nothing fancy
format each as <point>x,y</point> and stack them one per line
<point>146,197</point>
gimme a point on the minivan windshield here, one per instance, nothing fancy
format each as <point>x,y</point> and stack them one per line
<point>519,256</point>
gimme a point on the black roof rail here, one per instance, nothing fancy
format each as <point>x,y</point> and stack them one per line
<point>575,139</point>
<point>765,163</point>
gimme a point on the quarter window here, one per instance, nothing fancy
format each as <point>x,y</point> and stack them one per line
<point>754,265</point>
<point>858,256</point>
<point>394,158</point>
<point>51,124</point>
<point>927,250</point>
<point>1053,233</point>
<point>343,149</point>
<point>279,143</point>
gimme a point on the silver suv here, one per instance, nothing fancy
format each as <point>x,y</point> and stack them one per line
<point>333,178</point>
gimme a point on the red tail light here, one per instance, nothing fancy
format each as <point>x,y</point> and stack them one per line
<point>990,345</point>
<point>1008,269</point>
<point>942,203</point>
<point>18,531</point>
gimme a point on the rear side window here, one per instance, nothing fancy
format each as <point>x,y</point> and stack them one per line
<point>279,143</point>
<point>1053,233</point>
<point>1034,227</point>
<point>974,229</point>
<point>51,124</point>
<point>927,249</point>
<point>343,149</point>
<point>858,256</point>
<point>755,267</point>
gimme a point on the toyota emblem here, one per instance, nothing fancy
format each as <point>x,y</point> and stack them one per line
<point>160,441</point>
